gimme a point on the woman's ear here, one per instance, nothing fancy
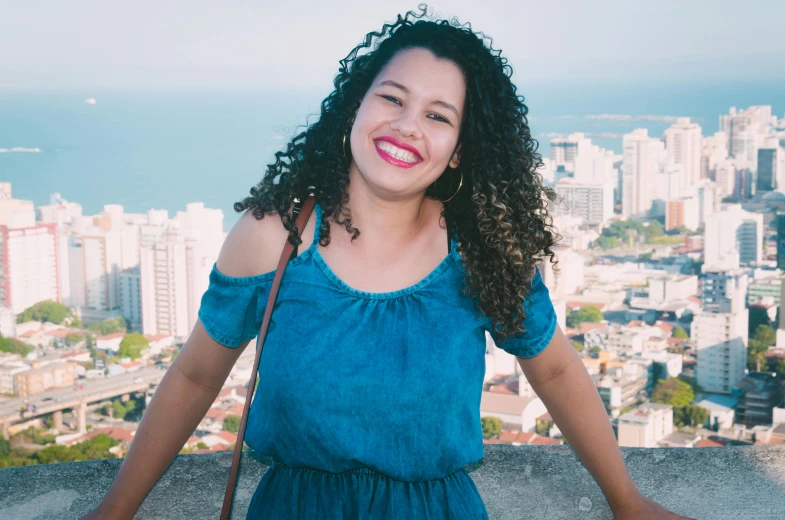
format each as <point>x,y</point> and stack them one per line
<point>456,158</point>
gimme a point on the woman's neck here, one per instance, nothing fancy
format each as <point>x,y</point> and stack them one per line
<point>387,223</point>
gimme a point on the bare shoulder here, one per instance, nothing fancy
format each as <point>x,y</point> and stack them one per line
<point>254,246</point>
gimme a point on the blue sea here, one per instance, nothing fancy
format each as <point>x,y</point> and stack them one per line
<point>162,149</point>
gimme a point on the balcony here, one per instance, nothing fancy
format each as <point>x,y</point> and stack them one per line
<point>542,482</point>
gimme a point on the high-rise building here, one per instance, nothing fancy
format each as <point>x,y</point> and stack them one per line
<point>719,330</point>
<point>745,129</point>
<point>592,201</point>
<point>733,236</point>
<point>725,177</point>
<point>164,286</point>
<point>28,255</point>
<point>95,259</point>
<point>643,156</point>
<point>683,212</point>
<point>780,220</point>
<point>564,150</point>
<point>771,166</point>
<point>131,298</point>
<point>683,143</point>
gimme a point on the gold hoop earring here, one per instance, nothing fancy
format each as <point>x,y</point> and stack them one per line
<point>343,144</point>
<point>456,191</point>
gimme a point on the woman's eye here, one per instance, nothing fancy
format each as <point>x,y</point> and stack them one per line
<point>397,101</point>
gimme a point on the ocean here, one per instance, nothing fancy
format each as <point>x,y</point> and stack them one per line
<point>162,149</point>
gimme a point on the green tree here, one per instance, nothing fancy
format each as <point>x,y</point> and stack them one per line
<point>587,313</point>
<point>757,316</point>
<point>604,242</point>
<point>577,345</point>
<point>654,229</point>
<point>201,446</point>
<point>133,345</point>
<point>47,310</point>
<point>766,335</point>
<point>779,367</point>
<point>491,427</point>
<point>693,382</point>
<point>73,339</point>
<point>674,392</point>
<point>112,325</point>
<point>232,423</point>
<point>690,415</point>
<point>680,333</point>
<point>14,346</point>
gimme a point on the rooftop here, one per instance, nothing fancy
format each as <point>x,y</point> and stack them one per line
<point>544,482</point>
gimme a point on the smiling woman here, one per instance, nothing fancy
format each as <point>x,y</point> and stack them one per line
<point>371,378</point>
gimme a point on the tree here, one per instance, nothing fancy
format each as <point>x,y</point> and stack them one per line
<point>47,310</point>
<point>232,423</point>
<point>578,346</point>
<point>132,345</point>
<point>693,382</point>
<point>780,367</point>
<point>491,427</point>
<point>680,333</point>
<point>766,335</point>
<point>73,339</point>
<point>587,313</point>
<point>14,346</point>
<point>757,316</point>
<point>654,229</point>
<point>113,325</point>
<point>689,416</point>
<point>674,392</point>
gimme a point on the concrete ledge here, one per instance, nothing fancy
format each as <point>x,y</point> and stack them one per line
<point>538,482</point>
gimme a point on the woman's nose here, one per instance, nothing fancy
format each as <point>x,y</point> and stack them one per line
<point>407,124</point>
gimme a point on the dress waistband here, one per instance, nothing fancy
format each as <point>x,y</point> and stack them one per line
<point>364,471</point>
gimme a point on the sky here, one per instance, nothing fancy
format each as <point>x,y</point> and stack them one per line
<point>57,44</point>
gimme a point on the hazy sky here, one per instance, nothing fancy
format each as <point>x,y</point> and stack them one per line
<point>245,43</point>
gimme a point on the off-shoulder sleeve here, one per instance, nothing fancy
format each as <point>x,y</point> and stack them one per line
<point>540,323</point>
<point>230,307</point>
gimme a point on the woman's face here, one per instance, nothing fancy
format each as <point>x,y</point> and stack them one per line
<point>406,129</point>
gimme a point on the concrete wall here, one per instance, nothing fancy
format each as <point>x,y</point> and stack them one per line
<point>532,482</point>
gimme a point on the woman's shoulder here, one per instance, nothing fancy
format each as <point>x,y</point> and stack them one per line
<point>254,246</point>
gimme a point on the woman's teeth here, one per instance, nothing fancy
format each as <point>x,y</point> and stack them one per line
<point>398,153</point>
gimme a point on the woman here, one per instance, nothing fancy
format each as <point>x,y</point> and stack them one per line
<point>373,366</point>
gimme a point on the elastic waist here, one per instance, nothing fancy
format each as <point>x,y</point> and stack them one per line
<point>364,471</point>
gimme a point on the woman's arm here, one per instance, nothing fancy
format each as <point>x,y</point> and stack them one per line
<point>560,379</point>
<point>178,405</point>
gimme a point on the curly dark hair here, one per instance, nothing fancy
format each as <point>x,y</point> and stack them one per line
<point>502,222</point>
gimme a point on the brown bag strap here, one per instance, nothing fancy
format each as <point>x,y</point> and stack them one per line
<point>288,248</point>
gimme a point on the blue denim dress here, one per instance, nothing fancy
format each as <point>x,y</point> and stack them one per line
<point>368,403</point>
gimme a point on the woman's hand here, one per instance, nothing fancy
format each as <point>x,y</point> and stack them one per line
<point>643,508</point>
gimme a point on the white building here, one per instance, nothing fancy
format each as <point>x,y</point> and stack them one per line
<point>164,286</point>
<point>7,323</point>
<point>683,145</point>
<point>590,200</point>
<point>733,236</point>
<point>719,331</point>
<point>569,278</point>
<point>745,131</point>
<point>643,156</point>
<point>665,288</point>
<point>644,426</point>
<point>28,252</point>
<point>131,298</point>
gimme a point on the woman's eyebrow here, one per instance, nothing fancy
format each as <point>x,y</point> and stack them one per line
<point>439,102</point>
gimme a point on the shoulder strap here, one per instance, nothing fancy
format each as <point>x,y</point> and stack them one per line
<point>302,219</point>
